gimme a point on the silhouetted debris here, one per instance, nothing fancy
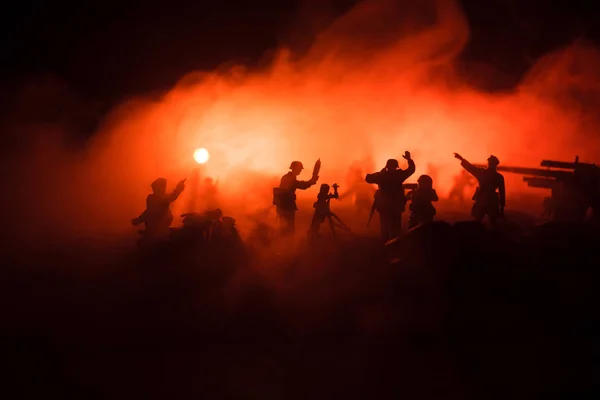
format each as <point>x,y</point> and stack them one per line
<point>465,312</point>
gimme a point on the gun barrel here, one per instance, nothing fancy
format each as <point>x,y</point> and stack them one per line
<point>537,182</point>
<point>528,171</point>
<point>538,172</point>
<point>519,170</point>
<point>558,164</point>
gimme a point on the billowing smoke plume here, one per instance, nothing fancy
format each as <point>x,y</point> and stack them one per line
<point>378,81</point>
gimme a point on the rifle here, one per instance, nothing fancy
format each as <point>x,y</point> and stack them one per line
<point>373,208</point>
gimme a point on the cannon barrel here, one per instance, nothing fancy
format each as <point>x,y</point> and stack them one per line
<point>546,173</point>
<point>558,164</point>
<point>530,171</point>
<point>563,164</point>
<point>567,165</point>
<point>518,170</point>
<point>537,182</point>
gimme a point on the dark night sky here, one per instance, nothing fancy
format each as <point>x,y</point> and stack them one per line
<point>106,50</point>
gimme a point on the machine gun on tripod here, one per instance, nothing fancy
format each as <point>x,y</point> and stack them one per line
<point>574,187</point>
<point>323,211</point>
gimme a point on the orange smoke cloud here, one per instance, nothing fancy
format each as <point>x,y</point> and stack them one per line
<point>378,81</point>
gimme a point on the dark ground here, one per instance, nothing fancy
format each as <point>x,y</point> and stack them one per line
<point>464,314</point>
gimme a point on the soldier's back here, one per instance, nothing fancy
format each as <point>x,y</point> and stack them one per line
<point>490,180</point>
<point>288,181</point>
<point>391,183</point>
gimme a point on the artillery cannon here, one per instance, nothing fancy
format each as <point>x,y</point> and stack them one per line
<point>574,187</point>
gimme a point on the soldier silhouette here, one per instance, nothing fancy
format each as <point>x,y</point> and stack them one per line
<point>490,196</point>
<point>158,217</point>
<point>390,201</point>
<point>284,197</point>
<point>323,211</point>
<point>421,209</point>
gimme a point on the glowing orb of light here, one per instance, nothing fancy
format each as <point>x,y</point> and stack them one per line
<point>201,155</point>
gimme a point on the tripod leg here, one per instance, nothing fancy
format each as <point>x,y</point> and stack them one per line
<point>331,224</point>
<point>340,222</point>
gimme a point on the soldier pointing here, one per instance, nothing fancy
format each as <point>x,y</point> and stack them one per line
<point>490,196</point>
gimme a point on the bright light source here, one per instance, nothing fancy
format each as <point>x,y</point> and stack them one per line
<point>201,155</point>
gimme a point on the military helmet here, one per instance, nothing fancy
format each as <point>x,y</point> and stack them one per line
<point>160,182</point>
<point>296,164</point>
<point>392,163</point>
<point>493,160</point>
<point>425,180</point>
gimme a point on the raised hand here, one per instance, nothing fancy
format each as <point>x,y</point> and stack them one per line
<point>456,155</point>
<point>406,155</point>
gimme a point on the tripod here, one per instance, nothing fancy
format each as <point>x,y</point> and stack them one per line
<point>323,212</point>
<point>334,222</point>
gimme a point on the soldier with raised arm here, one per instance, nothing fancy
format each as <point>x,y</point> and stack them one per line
<point>158,217</point>
<point>390,201</point>
<point>490,196</point>
<point>284,197</point>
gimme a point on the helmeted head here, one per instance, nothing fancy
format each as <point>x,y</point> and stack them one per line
<point>493,161</point>
<point>324,188</point>
<point>425,181</point>
<point>159,186</point>
<point>296,167</point>
<point>392,164</point>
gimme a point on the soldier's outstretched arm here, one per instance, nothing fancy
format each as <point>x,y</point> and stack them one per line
<point>470,168</point>
<point>303,185</point>
<point>373,178</point>
<point>410,170</point>
<point>502,191</point>
<point>177,191</point>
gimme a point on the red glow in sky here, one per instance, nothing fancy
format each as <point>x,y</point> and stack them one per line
<point>379,81</point>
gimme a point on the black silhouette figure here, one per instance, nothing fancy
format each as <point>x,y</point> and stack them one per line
<point>323,211</point>
<point>421,207</point>
<point>390,201</point>
<point>284,197</point>
<point>490,196</point>
<point>158,217</point>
